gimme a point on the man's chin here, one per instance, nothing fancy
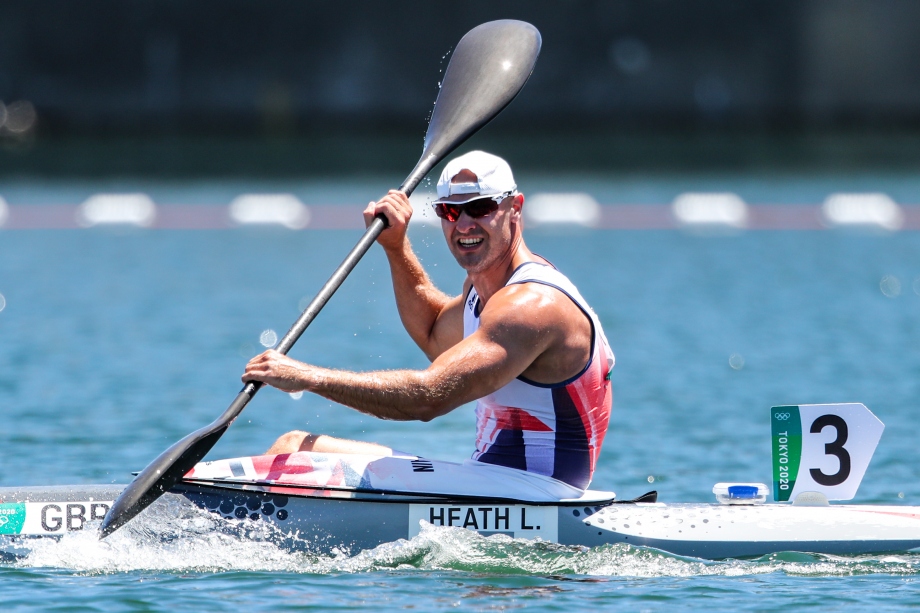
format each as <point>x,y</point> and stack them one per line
<point>470,262</point>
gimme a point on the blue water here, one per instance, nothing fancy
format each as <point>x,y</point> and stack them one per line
<point>114,343</point>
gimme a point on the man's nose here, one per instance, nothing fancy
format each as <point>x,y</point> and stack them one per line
<point>465,222</point>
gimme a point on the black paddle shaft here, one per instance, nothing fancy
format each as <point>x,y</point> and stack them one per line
<point>488,68</point>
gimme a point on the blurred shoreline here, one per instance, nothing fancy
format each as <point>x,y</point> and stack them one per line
<point>352,153</point>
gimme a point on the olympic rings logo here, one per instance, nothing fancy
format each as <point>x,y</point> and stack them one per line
<point>782,416</point>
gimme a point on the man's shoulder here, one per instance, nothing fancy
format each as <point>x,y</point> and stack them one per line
<point>529,303</point>
<point>529,289</point>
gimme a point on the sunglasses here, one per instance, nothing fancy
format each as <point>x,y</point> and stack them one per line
<point>475,209</point>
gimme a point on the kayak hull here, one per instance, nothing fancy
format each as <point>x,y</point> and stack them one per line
<point>322,520</point>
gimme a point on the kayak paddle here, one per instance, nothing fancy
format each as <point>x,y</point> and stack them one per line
<point>490,65</point>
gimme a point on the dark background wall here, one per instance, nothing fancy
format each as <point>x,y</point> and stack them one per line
<point>731,73</point>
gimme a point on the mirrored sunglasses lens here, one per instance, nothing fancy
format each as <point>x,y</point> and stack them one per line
<point>475,209</point>
<point>450,212</point>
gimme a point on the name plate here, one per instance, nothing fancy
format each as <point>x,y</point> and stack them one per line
<point>515,520</point>
<point>50,518</point>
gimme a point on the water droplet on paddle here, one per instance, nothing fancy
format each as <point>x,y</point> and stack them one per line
<point>268,338</point>
<point>2,302</point>
<point>736,361</point>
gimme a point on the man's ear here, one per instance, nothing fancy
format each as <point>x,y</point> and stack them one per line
<point>518,203</point>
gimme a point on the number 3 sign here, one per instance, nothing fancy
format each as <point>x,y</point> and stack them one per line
<point>822,448</point>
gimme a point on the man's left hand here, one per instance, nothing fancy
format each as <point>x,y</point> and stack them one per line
<point>277,370</point>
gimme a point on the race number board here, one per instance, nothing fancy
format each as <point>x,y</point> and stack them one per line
<point>823,448</point>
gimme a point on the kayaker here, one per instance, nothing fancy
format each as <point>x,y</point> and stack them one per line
<point>520,340</point>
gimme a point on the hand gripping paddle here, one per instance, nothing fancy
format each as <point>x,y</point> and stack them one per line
<point>490,65</point>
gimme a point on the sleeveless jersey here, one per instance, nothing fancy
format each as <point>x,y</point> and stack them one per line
<point>554,430</point>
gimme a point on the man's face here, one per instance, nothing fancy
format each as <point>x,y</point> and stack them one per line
<point>479,243</point>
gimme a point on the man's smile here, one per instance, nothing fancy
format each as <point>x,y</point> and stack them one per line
<point>469,242</point>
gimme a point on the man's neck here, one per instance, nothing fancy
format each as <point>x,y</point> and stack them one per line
<point>488,282</point>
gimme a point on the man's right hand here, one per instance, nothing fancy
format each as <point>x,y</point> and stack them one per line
<point>395,206</point>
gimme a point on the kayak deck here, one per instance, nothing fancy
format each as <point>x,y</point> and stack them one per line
<point>730,531</point>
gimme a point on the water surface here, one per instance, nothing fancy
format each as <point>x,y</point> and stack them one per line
<point>114,343</point>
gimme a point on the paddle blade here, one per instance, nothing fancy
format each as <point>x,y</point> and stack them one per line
<point>160,475</point>
<point>486,71</point>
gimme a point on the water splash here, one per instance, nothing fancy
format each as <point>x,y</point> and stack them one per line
<point>173,538</point>
<point>268,338</point>
<point>180,539</point>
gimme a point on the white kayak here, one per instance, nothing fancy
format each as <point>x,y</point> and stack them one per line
<point>317,503</point>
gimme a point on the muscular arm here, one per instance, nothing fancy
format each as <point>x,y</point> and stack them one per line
<point>515,330</point>
<point>433,319</point>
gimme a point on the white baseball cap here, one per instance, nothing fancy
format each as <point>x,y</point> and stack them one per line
<point>493,178</point>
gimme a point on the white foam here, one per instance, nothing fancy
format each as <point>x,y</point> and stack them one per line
<point>117,209</point>
<point>710,209</point>
<point>576,208</point>
<point>870,209</point>
<point>266,209</point>
<point>172,538</point>
<point>178,538</point>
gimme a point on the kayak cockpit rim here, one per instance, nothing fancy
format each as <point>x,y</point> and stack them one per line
<point>590,497</point>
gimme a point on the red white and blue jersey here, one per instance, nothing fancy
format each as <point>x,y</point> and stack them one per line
<point>554,430</point>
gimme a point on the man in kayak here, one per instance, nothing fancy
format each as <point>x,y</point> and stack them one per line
<point>520,340</point>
